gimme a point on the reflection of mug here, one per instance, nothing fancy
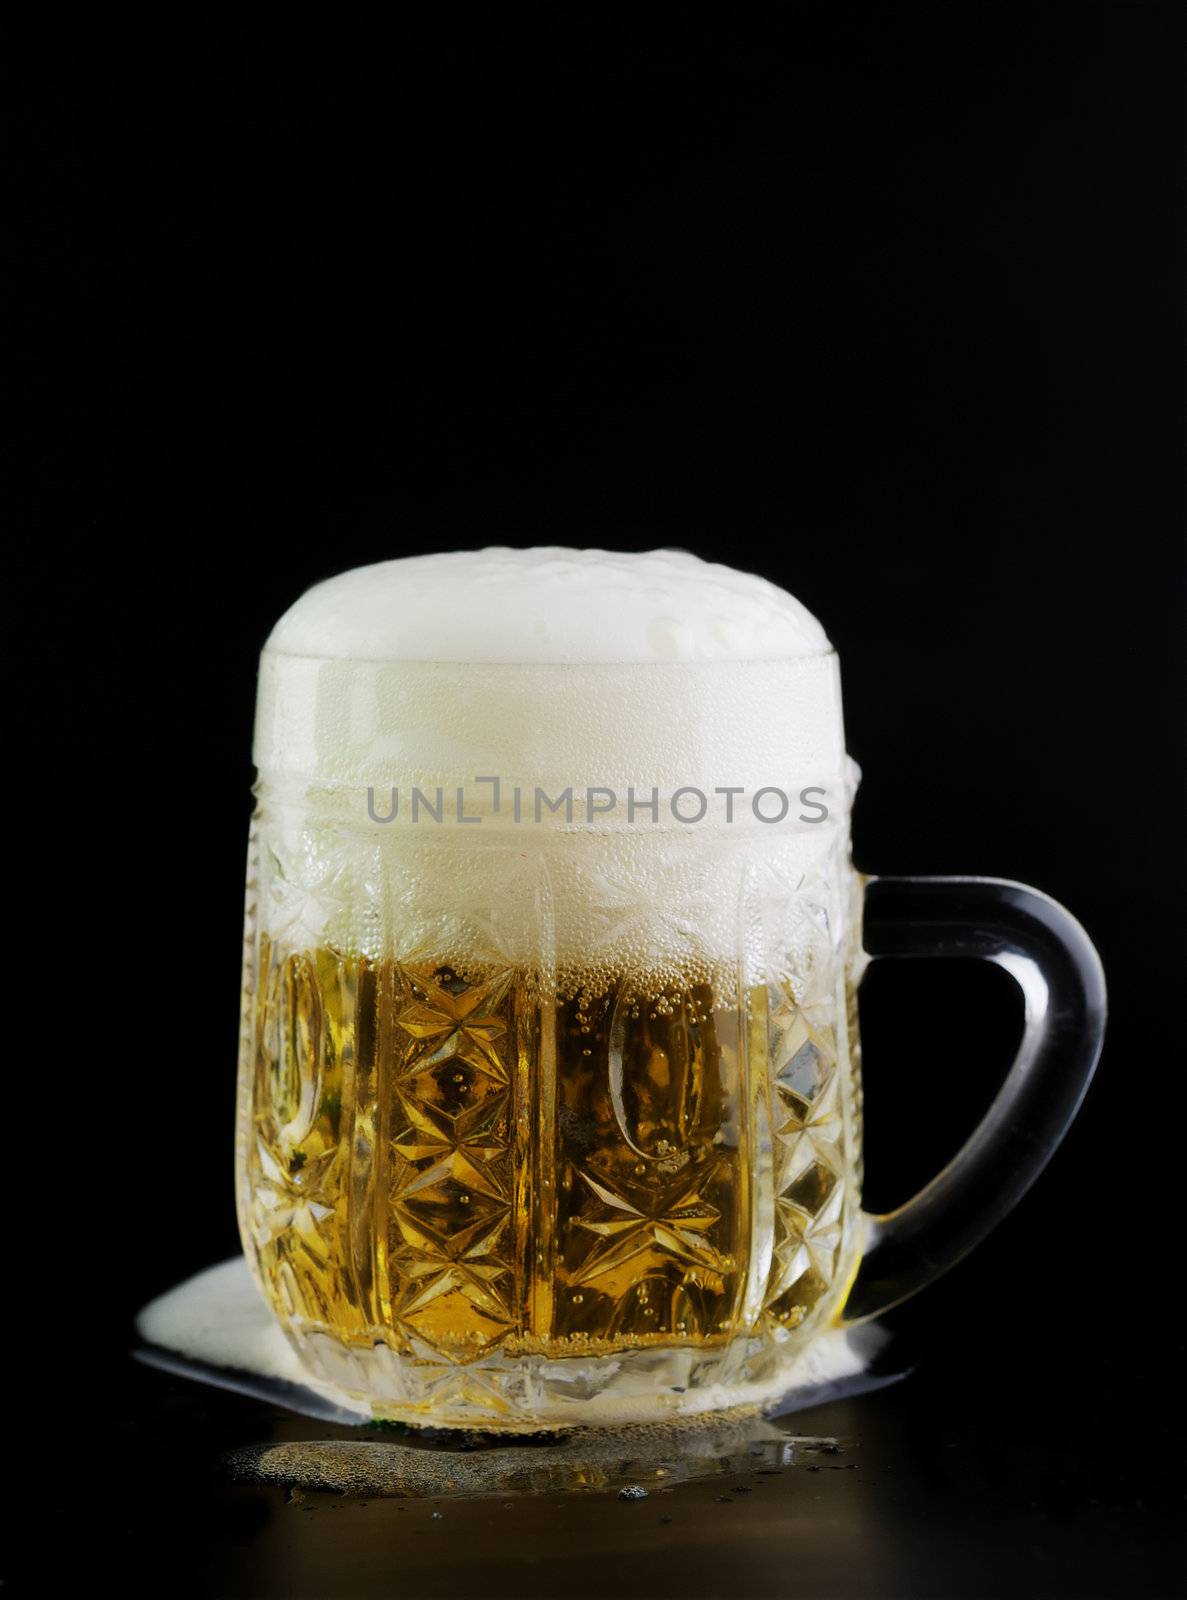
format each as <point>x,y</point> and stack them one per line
<point>549,1102</point>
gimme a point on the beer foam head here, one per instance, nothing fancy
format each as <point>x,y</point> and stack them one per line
<point>577,666</point>
<point>548,605</point>
<point>486,680</point>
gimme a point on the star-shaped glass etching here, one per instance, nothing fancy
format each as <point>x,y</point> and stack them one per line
<point>316,891</point>
<point>455,1287</point>
<point>446,1026</point>
<point>451,1201</point>
<point>641,1227</point>
<point>294,1218</point>
<point>294,1199</point>
<point>431,1132</point>
<point>807,1242</point>
<point>680,904</point>
<point>451,1210</point>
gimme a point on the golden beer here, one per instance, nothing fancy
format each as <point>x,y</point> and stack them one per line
<point>450,1165</point>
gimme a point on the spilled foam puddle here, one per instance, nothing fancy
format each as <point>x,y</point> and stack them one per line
<point>636,1460</point>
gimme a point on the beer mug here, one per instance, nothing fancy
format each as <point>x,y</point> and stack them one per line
<point>549,1105</point>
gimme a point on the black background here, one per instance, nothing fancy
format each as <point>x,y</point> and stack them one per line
<point>887,310</point>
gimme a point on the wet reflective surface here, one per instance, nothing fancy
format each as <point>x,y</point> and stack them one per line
<point>635,1461</point>
<point>947,1484</point>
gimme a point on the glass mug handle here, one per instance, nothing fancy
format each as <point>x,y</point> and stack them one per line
<point>1053,961</point>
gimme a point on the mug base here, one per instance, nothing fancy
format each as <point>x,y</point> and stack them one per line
<point>532,1393</point>
<point>216,1328</point>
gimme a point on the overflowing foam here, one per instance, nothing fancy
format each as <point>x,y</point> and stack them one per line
<point>557,670</point>
<point>548,605</point>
